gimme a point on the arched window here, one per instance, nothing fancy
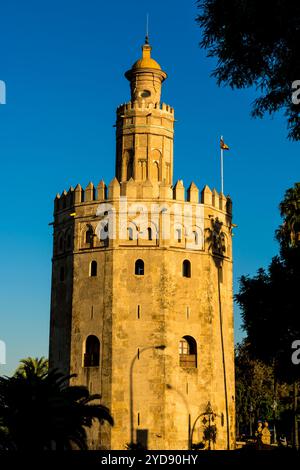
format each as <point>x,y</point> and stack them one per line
<point>130,168</point>
<point>178,235</point>
<point>196,238</point>
<point>130,233</point>
<point>187,352</point>
<point>149,230</point>
<point>139,267</point>
<point>62,274</point>
<point>155,158</point>
<point>155,175</point>
<point>89,237</point>
<point>103,233</point>
<point>92,352</point>
<point>93,269</point>
<point>186,268</point>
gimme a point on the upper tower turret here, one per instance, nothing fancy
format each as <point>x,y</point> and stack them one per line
<point>146,77</point>
<point>144,126</point>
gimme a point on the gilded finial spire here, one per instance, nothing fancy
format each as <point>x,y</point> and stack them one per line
<point>147,29</point>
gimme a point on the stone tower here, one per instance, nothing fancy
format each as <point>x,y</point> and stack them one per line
<point>141,305</point>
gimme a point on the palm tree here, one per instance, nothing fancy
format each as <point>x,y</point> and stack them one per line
<point>33,366</point>
<point>288,233</point>
<point>44,412</point>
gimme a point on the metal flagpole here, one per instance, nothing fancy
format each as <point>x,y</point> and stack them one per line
<point>222,173</point>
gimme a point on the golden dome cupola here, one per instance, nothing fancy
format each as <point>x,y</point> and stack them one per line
<point>146,77</point>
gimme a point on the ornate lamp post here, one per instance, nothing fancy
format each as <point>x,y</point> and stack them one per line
<point>211,418</point>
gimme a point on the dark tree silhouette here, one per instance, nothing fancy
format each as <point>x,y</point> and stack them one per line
<point>269,303</point>
<point>40,412</point>
<point>288,233</point>
<point>256,44</point>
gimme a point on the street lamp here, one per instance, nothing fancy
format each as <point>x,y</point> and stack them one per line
<point>159,347</point>
<point>250,420</point>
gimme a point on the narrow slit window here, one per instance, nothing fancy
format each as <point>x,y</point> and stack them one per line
<point>187,313</point>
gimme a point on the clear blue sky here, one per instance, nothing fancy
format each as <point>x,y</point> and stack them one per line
<point>63,64</point>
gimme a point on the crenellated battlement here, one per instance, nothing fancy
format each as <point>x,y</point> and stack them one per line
<point>134,105</point>
<point>146,190</point>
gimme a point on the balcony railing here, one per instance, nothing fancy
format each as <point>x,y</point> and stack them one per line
<point>188,360</point>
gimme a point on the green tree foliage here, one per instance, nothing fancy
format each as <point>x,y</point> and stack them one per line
<point>269,309</point>
<point>32,366</point>
<point>254,387</point>
<point>269,301</point>
<point>255,383</point>
<point>269,305</point>
<point>256,43</point>
<point>40,412</point>
<point>288,233</point>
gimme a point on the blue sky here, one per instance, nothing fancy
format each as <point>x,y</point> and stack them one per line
<point>63,64</point>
